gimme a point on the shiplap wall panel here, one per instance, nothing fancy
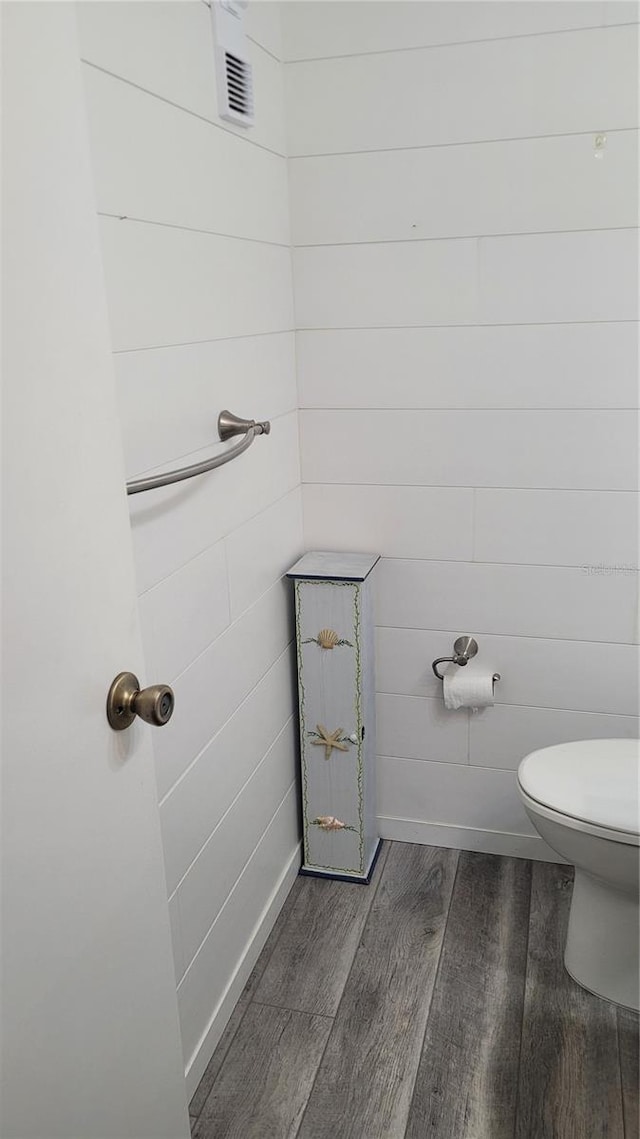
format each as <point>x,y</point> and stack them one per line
<point>154,162</point>
<point>491,187</point>
<point>230,941</point>
<point>537,672</point>
<point>264,26</point>
<point>533,527</point>
<point>472,448</point>
<point>520,186</point>
<point>211,688</point>
<point>191,383</point>
<point>592,275</point>
<point>621,11</point>
<point>556,527</point>
<point>421,729</point>
<point>201,306</point>
<point>185,612</point>
<point>519,366</point>
<point>315,29</point>
<point>275,533</point>
<point>400,522</point>
<point>482,798</point>
<point>513,600</point>
<point>500,739</point>
<point>168,285</point>
<point>429,282</point>
<point>176,937</point>
<point>223,857</point>
<point>214,782</point>
<point>502,88</point>
<point>204,510</point>
<point>469,281</point>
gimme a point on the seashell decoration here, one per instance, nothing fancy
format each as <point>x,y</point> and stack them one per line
<point>330,823</point>
<point>327,639</point>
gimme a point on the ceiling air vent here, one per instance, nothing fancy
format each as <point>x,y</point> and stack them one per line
<point>234,73</point>
<point>239,88</point>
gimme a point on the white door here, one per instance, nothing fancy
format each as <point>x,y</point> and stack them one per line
<point>90,1036</point>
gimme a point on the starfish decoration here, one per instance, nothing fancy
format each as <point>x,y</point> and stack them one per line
<point>329,740</point>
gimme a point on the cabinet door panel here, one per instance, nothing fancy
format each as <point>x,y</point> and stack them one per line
<point>329,678</point>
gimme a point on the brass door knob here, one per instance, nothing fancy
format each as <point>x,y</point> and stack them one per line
<point>126,700</point>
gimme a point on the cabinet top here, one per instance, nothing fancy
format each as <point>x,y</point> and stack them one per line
<point>334,566</point>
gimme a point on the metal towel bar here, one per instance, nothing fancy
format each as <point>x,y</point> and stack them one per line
<point>228,426</point>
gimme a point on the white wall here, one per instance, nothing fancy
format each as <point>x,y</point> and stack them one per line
<point>464,296</point>
<point>465,287</point>
<point>195,239</point>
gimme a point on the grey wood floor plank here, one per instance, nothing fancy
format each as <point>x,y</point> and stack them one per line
<point>213,1067</point>
<point>569,1085</point>
<point>630,1070</point>
<point>468,1076</point>
<point>310,965</point>
<point>364,1085</point>
<point>263,1084</point>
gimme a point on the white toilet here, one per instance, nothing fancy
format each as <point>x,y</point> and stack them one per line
<point>583,798</point>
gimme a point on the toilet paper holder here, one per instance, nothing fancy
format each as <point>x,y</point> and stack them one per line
<point>464,648</point>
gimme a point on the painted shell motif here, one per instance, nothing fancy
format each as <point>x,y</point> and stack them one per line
<point>330,823</point>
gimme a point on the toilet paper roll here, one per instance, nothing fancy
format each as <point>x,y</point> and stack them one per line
<point>464,689</point>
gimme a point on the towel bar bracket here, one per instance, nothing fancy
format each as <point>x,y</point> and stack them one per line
<point>229,425</point>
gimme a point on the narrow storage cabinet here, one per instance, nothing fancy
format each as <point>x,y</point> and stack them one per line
<point>336,693</point>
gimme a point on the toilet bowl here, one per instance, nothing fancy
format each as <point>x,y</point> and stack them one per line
<point>583,799</point>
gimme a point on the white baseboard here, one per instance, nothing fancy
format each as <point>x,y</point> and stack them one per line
<point>200,1058</point>
<point>466,838</point>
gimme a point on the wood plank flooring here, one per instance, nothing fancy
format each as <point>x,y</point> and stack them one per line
<point>570,1084</point>
<point>206,1083</point>
<point>476,1012</point>
<point>307,973</point>
<point>432,1004</point>
<point>365,1080</point>
<point>264,1084</point>
<point>630,1067</point>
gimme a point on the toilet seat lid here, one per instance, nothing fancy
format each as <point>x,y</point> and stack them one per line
<point>596,781</point>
